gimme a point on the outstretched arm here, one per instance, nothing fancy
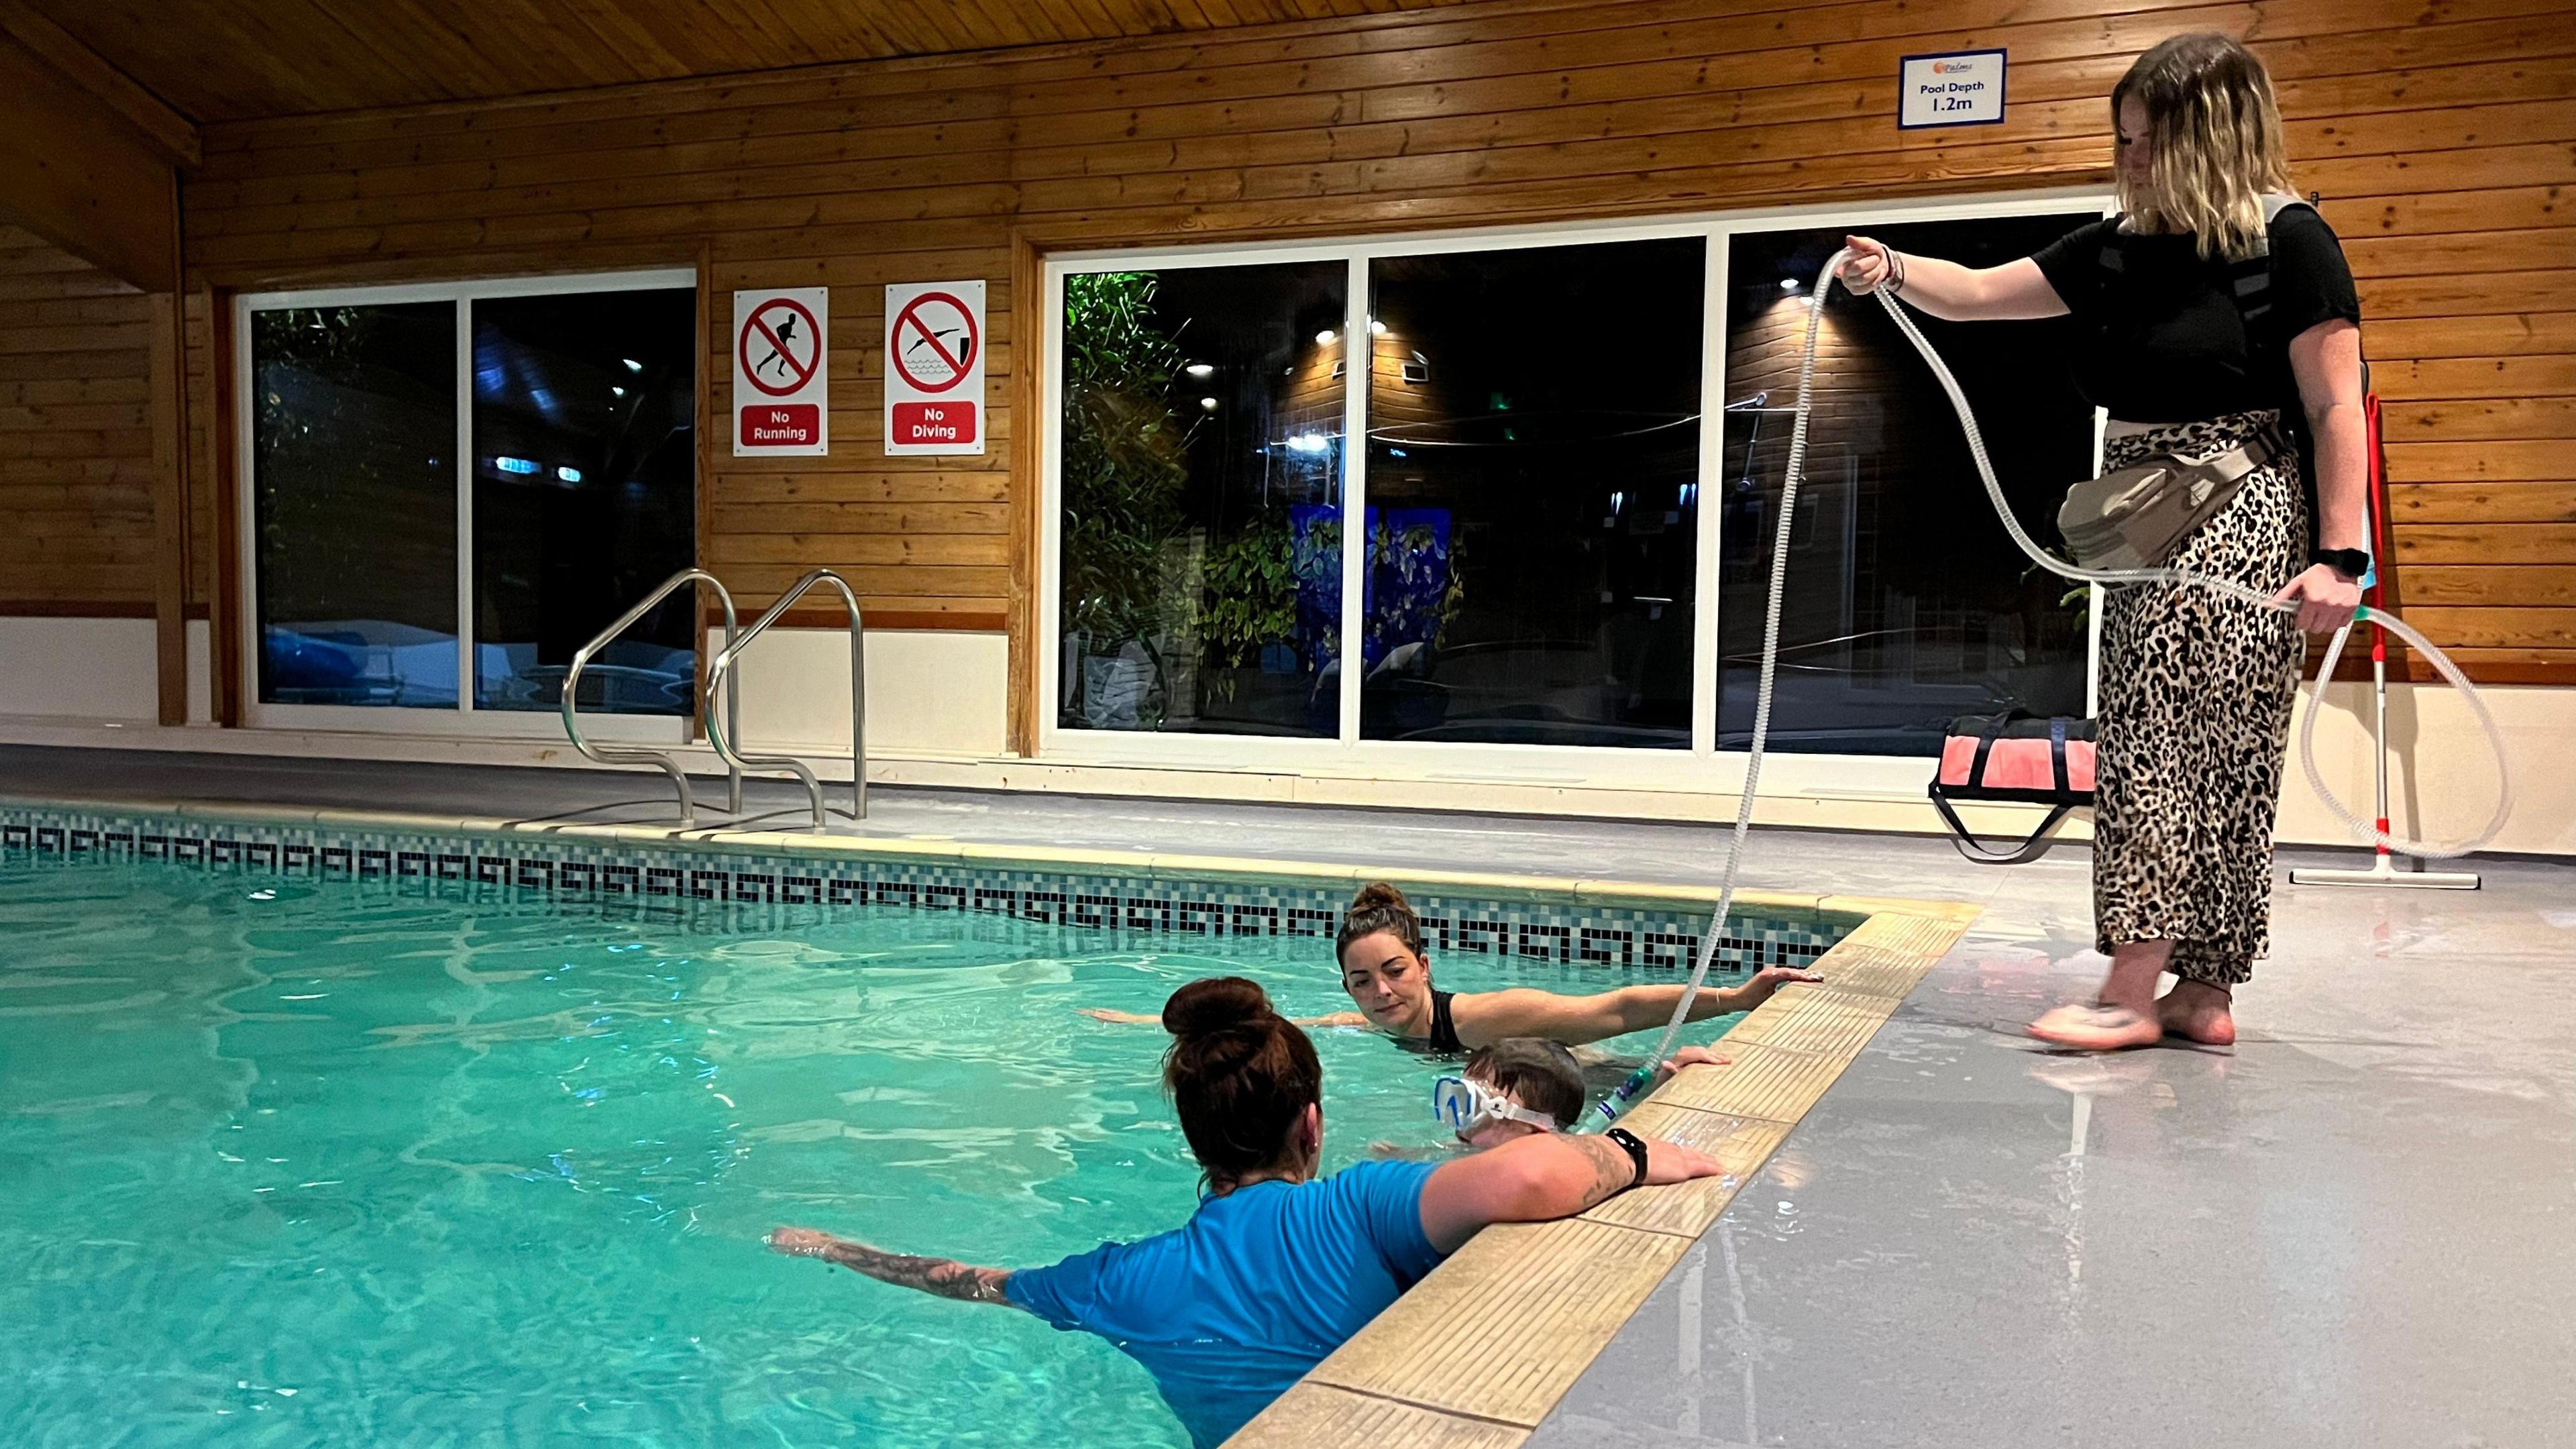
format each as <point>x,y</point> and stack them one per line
<point>939,1277</point>
<point>1574,1020</point>
<point>2014,291</point>
<point>1535,1179</point>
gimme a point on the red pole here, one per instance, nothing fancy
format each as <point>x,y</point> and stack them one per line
<point>2376,516</point>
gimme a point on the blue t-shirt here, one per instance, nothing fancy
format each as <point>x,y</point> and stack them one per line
<point>1232,1307</point>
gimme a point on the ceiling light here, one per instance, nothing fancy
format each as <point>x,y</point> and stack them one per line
<point>1788,284</point>
<point>1201,369</point>
<point>1209,403</point>
<point>1325,337</point>
<point>631,364</point>
<point>1376,328</point>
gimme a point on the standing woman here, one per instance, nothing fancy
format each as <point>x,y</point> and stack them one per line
<point>2196,688</point>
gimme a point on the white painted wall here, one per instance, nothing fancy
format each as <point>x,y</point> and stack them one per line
<point>2441,778</point>
<point>930,692</point>
<point>938,710</point>
<point>201,672</point>
<point>79,668</point>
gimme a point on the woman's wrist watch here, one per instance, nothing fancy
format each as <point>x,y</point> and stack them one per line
<point>1636,1149</point>
<point>2352,563</point>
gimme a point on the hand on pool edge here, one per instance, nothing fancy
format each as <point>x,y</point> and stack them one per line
<point>1758,987</point>
<point>1689,1056</point>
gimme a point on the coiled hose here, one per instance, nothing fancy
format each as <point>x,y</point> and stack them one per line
<point>1610,1107</point>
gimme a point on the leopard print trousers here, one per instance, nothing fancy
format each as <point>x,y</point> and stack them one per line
<point>2195,722</point>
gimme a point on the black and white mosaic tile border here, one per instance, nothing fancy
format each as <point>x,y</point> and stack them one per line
<point>579,872</point>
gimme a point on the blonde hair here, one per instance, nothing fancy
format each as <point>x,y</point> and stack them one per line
<point>2216,134</point>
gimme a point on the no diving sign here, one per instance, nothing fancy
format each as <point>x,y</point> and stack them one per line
<point>934,392</point>
<point>781,395</point>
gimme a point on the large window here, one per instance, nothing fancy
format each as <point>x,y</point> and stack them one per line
<point>1542,530</point>
<point>1532,521</point>
<point>452,489</point>
<point>1201,564</point>
<point>1907,604</point>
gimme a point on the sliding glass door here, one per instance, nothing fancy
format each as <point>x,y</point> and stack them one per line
<point>1536,544</point>
<point>451,489</point>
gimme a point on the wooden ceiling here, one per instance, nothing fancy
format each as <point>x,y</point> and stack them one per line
<point>229,60</point>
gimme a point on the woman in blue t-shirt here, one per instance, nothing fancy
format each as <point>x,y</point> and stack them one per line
<point>2219,313</point>
<point>1278,1266</point>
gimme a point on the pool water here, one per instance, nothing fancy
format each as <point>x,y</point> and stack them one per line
<point>378,1163</point>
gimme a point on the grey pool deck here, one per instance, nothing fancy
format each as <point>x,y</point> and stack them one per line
<point>2358,1227</point>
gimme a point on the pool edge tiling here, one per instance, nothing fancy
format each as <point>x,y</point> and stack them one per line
<point>1477,1354</point>
<point>1615,925</point>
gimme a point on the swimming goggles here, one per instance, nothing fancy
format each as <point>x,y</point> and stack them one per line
<point>1465,1106</point>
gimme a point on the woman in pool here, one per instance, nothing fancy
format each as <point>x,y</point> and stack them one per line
<point>1278,1266</point>
<point>1387,972</point>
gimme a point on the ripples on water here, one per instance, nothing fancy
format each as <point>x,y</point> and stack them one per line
<point>374,1164</point>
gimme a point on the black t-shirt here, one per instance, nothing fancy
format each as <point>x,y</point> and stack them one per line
<point>2168,342</point>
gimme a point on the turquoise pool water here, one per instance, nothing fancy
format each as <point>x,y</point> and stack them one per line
<point>359,1163</point>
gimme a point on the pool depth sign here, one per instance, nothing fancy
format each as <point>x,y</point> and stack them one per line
<point>934,392</point>
<point>781,390</point>
<point>1961,88</point>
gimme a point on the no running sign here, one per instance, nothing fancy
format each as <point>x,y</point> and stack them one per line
<point>934,392</point>
<point>781,394</point>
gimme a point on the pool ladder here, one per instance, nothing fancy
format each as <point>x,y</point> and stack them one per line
<point>724,728</point>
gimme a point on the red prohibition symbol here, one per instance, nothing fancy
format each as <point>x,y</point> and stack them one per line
<point>914,336</point>
<point>779,323</point>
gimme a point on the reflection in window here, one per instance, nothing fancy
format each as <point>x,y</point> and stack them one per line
<point>584,495</point>
<point>353,432</point>
<point>1532,502</point>
<point>1201,494</point>
<point>1907,603</point>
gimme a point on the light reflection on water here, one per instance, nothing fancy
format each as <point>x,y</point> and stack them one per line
<point>368,1163</point>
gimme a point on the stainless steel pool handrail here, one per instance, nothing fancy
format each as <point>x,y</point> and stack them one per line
<point>721,673</point>
<point>636,754</point>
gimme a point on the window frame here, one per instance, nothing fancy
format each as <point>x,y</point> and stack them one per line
<point>464,718</point>
<point>1707,769</point>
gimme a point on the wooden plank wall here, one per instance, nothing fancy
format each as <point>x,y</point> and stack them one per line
<point>76,463</point>
<point>2440,131</point>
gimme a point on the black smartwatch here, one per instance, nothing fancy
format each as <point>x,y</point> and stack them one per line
<point>1636,1149</point>
<point>2352,563</point>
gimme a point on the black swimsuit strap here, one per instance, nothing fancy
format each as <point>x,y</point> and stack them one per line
<point>1444,1032</point>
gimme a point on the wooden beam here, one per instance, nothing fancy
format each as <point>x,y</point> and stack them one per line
<point>174,135</point>
<point>224,581</point>
<point>170,505</point>
<point>73,172</point>
<point>1024,708</point>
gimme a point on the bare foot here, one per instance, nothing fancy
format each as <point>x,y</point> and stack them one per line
<point>2198,1012</point>
<point>2098,1028</point>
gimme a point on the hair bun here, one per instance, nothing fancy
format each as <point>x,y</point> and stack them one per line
<point>1220,1003</point>
<point>1378,893</point>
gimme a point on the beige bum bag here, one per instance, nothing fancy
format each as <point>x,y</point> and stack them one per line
<point>2133,517</point>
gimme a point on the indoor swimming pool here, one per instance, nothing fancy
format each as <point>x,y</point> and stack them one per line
<point>297,1160</point>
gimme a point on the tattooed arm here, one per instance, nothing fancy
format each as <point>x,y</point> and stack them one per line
<point>1550,1175</point>
<point>940,1277</point>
